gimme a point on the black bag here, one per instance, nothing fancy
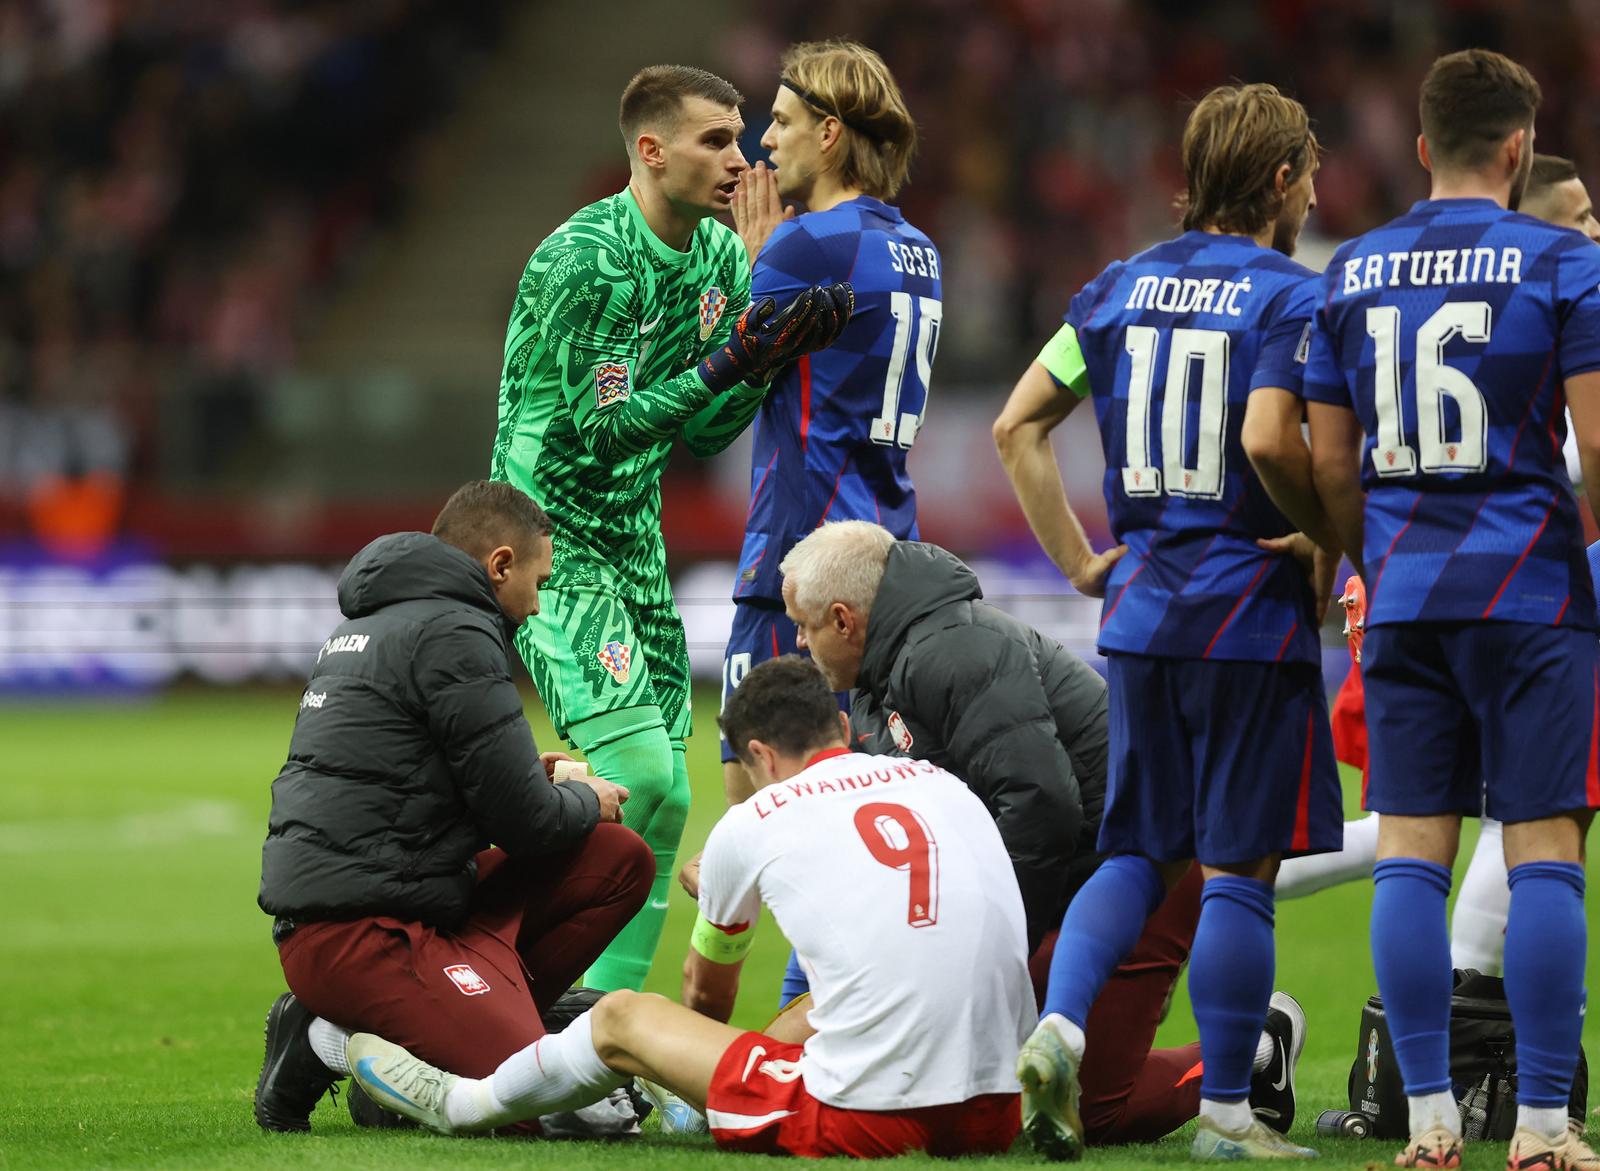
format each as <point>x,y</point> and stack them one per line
<point>1483,1065</point>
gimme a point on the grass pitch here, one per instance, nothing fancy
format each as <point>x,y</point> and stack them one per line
<point>135,969</point>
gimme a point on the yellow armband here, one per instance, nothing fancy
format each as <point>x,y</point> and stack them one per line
<point>1062,357</point>
<point>719,944</point>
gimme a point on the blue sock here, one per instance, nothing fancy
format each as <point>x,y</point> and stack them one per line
<point>1411,955</point>
<point>1230,981</point>
<point>1101,926</point>
<point>1546,942</point>
<point>794,980</point>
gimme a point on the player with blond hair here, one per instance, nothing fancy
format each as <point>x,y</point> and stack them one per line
<point>1220,745</point>
<point>832,439</point>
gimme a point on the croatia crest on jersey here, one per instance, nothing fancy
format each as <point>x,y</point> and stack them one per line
<point>616,658</point>
<point>712,303</point>
<point>611,383</point>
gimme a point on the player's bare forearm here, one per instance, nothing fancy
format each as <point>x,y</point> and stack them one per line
<point>1336,472</point>
<point>1344,503</point>
<point>1278,452</point>
<point>1590,463</point>
<point>710,988</point>
<point>1022,437</point>
<point>1583,400</point>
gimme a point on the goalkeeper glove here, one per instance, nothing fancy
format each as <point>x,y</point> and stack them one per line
<point>766,337</point>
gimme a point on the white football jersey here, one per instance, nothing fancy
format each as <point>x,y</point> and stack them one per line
<point>890,879</point>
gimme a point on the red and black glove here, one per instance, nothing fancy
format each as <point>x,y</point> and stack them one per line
<point>766,338</point>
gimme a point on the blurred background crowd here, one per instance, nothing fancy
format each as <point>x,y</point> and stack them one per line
<point>256,257</point>
<point>1051,129</point>
<point>181,187</point>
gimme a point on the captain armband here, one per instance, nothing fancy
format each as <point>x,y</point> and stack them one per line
<point>1064,359</point>
<point>721,945</point>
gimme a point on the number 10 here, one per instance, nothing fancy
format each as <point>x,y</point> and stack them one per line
<point>1209,347</point>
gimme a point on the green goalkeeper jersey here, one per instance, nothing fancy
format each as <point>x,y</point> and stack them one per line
<point>599,379</point>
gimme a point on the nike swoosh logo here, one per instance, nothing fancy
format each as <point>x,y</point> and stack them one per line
<point>371,1080</point>
<point>1283,1077</point>
<point>644,329</point>
<point>756,1054</point>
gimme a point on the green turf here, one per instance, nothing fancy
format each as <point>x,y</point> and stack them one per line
<point>135,968</point>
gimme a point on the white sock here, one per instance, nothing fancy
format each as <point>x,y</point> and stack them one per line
<point>469,1106</point>
<point>1478,926</point>
<point>1298,877</point>
<point>1228,1117</point>
<point>1431,1110</point>
<point>1264,1051</point>
<point>327,1042</point>
<point>558,1072</point>
<point>1550,1122</point>
<point>1071,1034</point>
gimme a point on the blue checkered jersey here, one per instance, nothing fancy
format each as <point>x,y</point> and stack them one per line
<point>1594,562</point>
<point>1450,331</point>
<point>831,440</point>
<point>1173,342</point>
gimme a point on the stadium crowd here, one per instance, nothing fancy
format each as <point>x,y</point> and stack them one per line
<point>180,186</point>
<point>171,211</point>
<point>1047,128</point>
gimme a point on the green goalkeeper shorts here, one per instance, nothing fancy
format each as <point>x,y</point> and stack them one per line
<point>591,652</point>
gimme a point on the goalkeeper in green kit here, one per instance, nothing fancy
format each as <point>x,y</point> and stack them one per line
<point>632,328</point>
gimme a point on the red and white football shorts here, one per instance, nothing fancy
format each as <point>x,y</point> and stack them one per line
<point>757,1102</point>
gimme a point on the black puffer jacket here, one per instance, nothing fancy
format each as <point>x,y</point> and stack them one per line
<point>410,753</point>
<point>948,678</point>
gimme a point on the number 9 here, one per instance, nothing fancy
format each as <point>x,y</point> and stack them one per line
<point>898,838</point>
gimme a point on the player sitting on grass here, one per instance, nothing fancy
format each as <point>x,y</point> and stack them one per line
<point>890,877</point>
<point>939,674</point>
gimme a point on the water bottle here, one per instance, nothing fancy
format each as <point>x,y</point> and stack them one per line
<point>1344,1124</point>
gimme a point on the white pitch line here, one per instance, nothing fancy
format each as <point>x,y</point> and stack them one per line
<point>133,831</point>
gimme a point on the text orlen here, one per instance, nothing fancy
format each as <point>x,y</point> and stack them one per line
<point>774,797</point>
<point>345,643</point>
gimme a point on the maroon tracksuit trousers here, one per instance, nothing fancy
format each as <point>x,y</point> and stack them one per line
<point>1132,1093</point>
<point>467,999</point>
